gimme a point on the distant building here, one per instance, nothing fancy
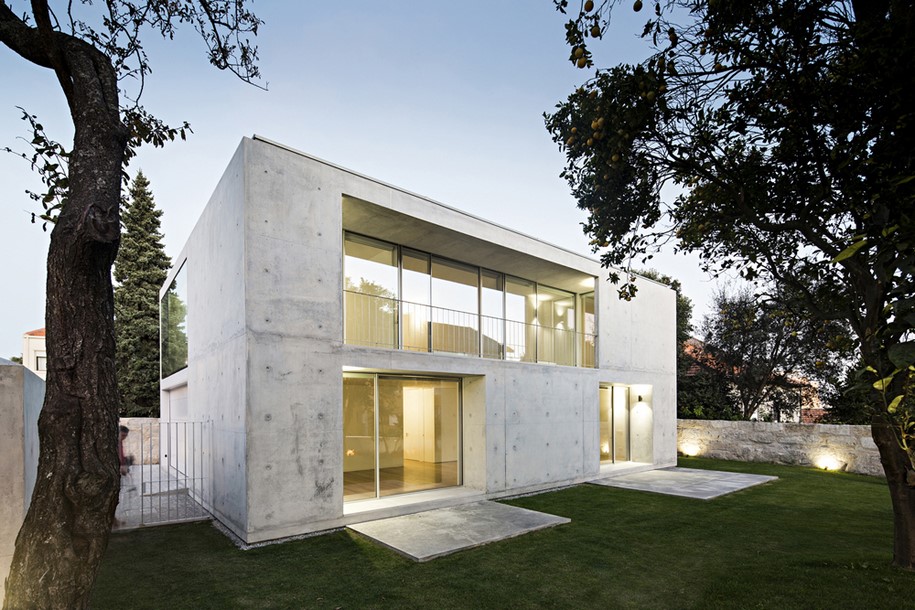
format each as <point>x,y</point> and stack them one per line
<point>807,407</point>
<point>34,354</point>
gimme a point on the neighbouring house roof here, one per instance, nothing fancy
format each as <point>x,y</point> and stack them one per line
<point>38,332</point>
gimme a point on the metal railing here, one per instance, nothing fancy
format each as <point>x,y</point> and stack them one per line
<point>377,321</point>
<point>165,479</point>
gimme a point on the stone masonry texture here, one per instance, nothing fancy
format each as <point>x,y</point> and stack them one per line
<point>848,448</point>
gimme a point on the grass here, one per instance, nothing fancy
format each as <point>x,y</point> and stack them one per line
<point>809,540</point>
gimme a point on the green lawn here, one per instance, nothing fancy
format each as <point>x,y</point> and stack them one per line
<point>809,540</point>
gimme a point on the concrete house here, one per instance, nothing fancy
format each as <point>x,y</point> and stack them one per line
<point>355,351</point>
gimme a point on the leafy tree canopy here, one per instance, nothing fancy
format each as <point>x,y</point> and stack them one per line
<point>95,51</point>
<point>766,352</point>
<point>788,129</point>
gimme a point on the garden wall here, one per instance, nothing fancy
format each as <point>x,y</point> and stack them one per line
<point>21,397</point>
<point>832,447</point>
<point>142,442</point>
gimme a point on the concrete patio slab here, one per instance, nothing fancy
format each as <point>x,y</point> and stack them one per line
<point>686,482</point>
<point>427,535</point>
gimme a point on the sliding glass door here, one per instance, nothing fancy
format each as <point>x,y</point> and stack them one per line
<point>400,434</point>
<point>614,424</point>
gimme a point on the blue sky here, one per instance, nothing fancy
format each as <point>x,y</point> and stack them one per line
<point>444,99</point>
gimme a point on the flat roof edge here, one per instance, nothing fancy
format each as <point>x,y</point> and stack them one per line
<point>423,197</point>
<point>336,166</point>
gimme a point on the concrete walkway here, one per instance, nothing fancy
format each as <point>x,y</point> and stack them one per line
<point>686,482</point>
<point>151,495</point>
<point>434,533</point>
<point>427,535</point>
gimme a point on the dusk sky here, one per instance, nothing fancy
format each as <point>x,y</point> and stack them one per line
<point>444,99</point>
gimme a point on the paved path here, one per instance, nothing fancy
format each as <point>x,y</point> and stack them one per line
<point>686,482</point>
<point>430,534</point>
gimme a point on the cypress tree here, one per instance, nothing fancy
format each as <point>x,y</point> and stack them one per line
<point>139,270</point>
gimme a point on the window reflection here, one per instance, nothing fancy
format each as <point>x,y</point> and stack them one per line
<point>455,317</point>
<point>173,325</point>
<point>416,435</point>
<point>399,298</point>
<point>370,285</point>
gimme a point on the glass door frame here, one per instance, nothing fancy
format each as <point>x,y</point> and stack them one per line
<point>376,413</point>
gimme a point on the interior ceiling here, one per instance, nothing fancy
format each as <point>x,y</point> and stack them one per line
<point>386,224</point>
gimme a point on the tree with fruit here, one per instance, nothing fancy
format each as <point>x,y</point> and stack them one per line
<point>787,129</point>
<point>95,52</point>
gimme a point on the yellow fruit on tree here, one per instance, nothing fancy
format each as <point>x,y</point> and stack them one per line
<point>582,62</point>
<point>589,6</point>
<point>637,6</point>
<point>579,51</point>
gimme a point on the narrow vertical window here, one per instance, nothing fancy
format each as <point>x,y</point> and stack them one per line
<point>556,326</point>
<point>455,314</point>
<point>492,310</point>
<point>520,320</point>
<point>173,325</point>
<point>588,329</point>
<point>416,313</point>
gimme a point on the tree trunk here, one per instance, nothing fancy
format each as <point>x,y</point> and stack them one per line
<point>898,471</point>
<point>66,530</point>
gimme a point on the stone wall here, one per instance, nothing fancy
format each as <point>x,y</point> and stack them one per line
<point>832,447</point>
<point>142,441</point>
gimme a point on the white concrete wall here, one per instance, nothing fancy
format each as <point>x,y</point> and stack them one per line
<point>525,426</point>
<point>217,345</point>
<point>21,399</point>
<point>293,278</point>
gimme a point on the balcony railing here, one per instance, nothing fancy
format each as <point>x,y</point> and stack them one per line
<point>377,321</point>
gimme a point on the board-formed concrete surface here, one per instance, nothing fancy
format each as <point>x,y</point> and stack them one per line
<point>427,535</point>
<point>686,482</point>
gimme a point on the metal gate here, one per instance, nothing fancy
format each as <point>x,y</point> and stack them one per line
<point>166,475</point>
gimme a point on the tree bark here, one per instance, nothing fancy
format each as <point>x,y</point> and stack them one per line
<point>902,494</point>
<point>66,530</point>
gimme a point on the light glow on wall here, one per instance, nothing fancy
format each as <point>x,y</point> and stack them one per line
<point>828,461</point>
<point>691,449</point>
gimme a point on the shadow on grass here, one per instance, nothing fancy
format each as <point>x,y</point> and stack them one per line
<point>809,540</point>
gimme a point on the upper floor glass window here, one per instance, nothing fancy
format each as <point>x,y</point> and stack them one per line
<point>372,289</point>
<point>400,298</point>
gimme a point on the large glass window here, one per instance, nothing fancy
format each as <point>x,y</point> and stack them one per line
<point>173,325</point>
<point>455,317</point>
<point>401,434</point>
<point>399,298</point>
<point>371,290</point>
